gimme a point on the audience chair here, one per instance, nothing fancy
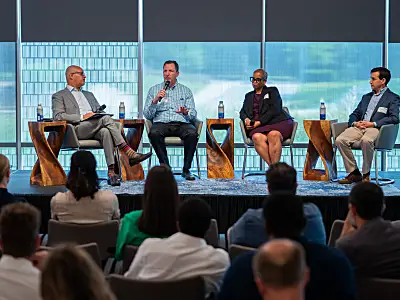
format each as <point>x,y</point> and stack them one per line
<point>128,289</point>
<point>384,143</point>
<point>236,250</point>
<point>212,235</point>
<point>177,141</point>
<point>248,143</point>
<point>129,255</point>
<point>378,288</point>
<point>336,230</point>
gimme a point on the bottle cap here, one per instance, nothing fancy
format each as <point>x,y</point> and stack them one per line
<point>221,101</point>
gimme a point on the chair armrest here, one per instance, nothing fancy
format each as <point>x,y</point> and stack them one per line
<point>148,124</point>
<point>199,126</point>
<point>387,137</point>
<point>246,139</point>
<point>338,128</point>
<point>70,138</point>
<point>294,130</point>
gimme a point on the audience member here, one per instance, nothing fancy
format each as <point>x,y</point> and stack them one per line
<point>84,202</point>
<point>280,270</point>
<point>19,231</point>
<point>5,174</point>
<point>331,274</point>
<point>371,243</point>
<point>70,274</point>
<point>158,217</point>
<point>185,254</point>
<point>249,229</point>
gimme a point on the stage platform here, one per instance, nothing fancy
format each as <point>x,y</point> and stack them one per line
<point>228,198</point>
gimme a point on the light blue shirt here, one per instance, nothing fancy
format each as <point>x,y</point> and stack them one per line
<point>165,110</point>
<point>83,103</point>
<point>372,104</point>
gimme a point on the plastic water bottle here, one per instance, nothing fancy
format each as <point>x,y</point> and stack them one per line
<point>322,110</point>
<point>221,110</point>
<point>39,112</point>
<point>122,110</point>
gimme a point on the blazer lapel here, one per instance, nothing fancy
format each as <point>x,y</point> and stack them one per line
<point>71,98</point>
<point>89,98</point>
<point>262,101</point>
<point>383,98</point>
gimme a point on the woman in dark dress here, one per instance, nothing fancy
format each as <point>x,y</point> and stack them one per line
<point>266,121</point>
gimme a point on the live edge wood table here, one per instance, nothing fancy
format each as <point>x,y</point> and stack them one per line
<point>133,136</point>
<point>319,146</point>
<point>220,163</point>
<point>47,170</point>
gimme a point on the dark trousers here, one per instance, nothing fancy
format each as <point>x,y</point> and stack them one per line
<point>187,132</point>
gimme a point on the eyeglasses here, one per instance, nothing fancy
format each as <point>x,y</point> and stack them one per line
<point>80,73</point>
<point>256,79</point>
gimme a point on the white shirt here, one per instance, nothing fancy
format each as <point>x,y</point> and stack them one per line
<point>84,106</point>
<point>19,279</point>
<point>178,257</point>
<point>103,207</point>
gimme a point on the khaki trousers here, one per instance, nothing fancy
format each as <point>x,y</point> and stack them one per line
<point>367,139</point>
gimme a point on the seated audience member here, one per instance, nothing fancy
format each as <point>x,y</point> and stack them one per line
<point>371,243</point>
<point>69,273</point>
<point>84,202</point>
<point>266,121</point>
<point>184,254</point>
<point>249,229</point>
<point>158,217</point>
<point>331,274</point>
<point>5,173</point>
<point>280,270</point>
<point>19,231</point>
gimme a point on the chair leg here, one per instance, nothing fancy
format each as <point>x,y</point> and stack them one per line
<point>198,162</point>
<point>291,155</point>
<point>380,181</point>
<point>149,160</point>
<point>244,161</point>
<point>118,162</point>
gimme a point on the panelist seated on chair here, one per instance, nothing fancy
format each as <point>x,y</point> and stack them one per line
<point>170,106</point>
<point>266,121</point>
<point>377,108</point>
<point>77,107</point>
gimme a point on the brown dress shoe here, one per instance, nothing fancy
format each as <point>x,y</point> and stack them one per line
<point>113,179</point>
<point>366,178</point>
<point>351,178</point>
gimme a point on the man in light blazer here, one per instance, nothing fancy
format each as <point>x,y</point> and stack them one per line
<point>377,108</point>
<point>77,107</point>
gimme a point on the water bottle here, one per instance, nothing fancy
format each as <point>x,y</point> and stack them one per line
<point>122,110</point>
<point>39,112</point>
<point>322,110</point>
<point>221,110</point>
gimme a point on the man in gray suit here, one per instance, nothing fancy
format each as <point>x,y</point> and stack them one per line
<point>371,243</point>
<point>77,107</point>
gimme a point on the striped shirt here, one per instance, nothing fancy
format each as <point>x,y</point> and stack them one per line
<point>165,110</point>
<point>373,103</point>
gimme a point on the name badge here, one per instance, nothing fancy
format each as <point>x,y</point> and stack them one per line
<point>382,110</point>
<point>266,96</point>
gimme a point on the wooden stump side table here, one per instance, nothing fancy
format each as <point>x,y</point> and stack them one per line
<point>133,136</point>
<point>47,170</point>
<point>319,146</point>
<point>220,158</point>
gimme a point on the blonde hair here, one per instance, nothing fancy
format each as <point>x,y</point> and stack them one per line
<point>69,273</point>
<point>4,166</point>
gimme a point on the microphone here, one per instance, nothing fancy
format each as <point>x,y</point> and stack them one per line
<point>101,108</point>
<point>166,85</point>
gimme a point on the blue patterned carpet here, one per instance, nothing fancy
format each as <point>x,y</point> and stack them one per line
<point>251,186</point>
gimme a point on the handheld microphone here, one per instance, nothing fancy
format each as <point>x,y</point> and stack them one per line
<point>101,108</point>
<point>166,85</point>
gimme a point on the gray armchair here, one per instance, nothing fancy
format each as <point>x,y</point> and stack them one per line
<point>248,143</point>
<point>177,141</point>
<point>384,143</point>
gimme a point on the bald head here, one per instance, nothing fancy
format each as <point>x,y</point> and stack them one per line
<point>280,264</point>
<point>75,76</point>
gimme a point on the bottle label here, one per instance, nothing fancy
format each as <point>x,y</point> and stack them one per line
<point>122,115</point>
<point>322,116</point>
<point>220,115</point>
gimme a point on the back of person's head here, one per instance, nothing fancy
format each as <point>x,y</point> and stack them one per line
<point>194,217</point>
<point>82,179</point>
<point>284,215</point>
<point>68,273</point>
<point>160,203</point>
<point>19,229</point>
<point>4,169</point>
<point>281,177</point>
<point>368,200</point>
<point>280,265</point>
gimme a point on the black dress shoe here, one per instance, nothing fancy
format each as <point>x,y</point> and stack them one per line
<point>113,180</point>
<point>187,175</point>
<point>139,157</point>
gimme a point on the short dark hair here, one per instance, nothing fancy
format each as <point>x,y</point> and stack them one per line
<point>194,217</point>
<point>19,229</point>
<point>82,178</point>
<point>168,62</point>
<point>368,199</point>
<point>284,215</point>
<point>383,73</point>
<point>160,203</point>
<point>263,72</point>
<point>281,177</point>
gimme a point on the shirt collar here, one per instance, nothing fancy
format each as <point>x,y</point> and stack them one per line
<point>170,88</point>
<point>10,262</point>
<point>188,239</point>
<point>381,91</point>
<point>72,89</point>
